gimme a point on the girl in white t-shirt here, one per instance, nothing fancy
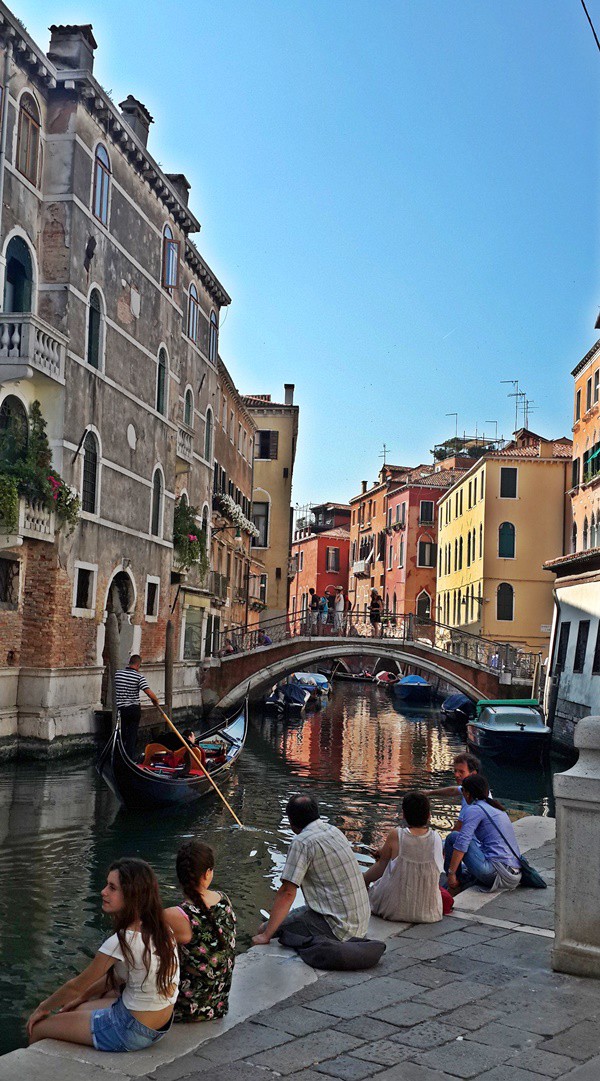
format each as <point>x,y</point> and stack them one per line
<point>123,1000</point>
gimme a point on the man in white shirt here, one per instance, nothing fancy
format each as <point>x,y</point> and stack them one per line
<point>338,609</point>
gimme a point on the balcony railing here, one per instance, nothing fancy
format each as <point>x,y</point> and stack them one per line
<point>361,568</point>
<point>36,522</point>
<point>185,444</point>
<point>28,346</point>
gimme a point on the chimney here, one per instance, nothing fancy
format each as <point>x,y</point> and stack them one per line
<point>72,47</point>
<point>289,393</point>
<point>137,116</point>
<point>364,486</point>
<point>546,448</point>
<point>181,184</point>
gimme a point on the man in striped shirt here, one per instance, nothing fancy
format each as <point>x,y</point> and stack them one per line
<point>128,684</point>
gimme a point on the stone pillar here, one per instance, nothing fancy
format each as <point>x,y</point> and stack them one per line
<point>169,659</point>
<point>577,932</point>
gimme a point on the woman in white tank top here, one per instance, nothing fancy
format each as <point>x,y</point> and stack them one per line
<point>406,876</point>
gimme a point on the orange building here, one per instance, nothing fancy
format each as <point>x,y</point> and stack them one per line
<point>320,561</point>
<point>585,481</point>
<point>368,535</point>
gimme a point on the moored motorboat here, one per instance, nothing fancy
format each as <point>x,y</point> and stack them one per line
<point>458,709</point>
<point>312,681</point>
<point>386,679</point>
<point>412,689</point>
<point>145,786</point>
<point>513,728</point>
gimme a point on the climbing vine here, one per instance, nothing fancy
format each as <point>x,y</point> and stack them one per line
<point>26,471</point>
<point>189,541</point>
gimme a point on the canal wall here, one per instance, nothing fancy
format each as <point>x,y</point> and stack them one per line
<point>271,982</point>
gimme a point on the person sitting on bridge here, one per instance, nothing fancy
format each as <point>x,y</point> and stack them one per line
<point>322,863</point>
<point>464,765</point>
<point>264,639</point>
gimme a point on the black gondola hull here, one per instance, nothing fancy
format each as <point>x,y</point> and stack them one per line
<point>140,790</point>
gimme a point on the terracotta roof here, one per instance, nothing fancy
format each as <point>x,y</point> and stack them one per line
<point>574,557</point>
<point>560,449</point>
<point>335,534</point>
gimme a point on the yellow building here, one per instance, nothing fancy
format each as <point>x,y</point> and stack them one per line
<point>274,454</point>
<point>497,526</point>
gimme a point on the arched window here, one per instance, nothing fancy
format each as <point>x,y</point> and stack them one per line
<point>94,329</point>
<point>157,504</point>
<point>28,143</point>
<point>481,535</point>
<point>89,486</point>
<point>161,383</point>
<point>460,553</point>
<point>506,540</point>
<point>505,602</point>
<point>213,344</point>
<point>192,315</point>
<point>18,284</point>
<point>205,524</point>
<point>394,603</point>
<point>593,533</point>
<point>188,409</point>
<point>458,607</point>
<point>584,536</point>
<point>574,538</point>
<point>101,184</point>
<point>14,430</point>
<point>170,259</point>
<point>208,435</point>
<point>469,549</point>
<point>423,605</point>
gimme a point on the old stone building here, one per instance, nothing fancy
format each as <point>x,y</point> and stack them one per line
<point>110,322</point>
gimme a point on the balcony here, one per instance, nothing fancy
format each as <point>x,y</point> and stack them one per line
<point>185,445</point>
<point>239,595</point>
<point>36,522</point>
<point>28,347</point>
<point>361,568</point>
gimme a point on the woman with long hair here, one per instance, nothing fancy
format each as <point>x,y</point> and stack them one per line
<point>485,849</point>
<point>123,1000</point>
<point>204,926</point>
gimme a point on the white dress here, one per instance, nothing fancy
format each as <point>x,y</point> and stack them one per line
<point>409,888</point>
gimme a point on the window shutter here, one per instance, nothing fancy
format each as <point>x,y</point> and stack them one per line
<point>274,445</point>
<point>257,444</point>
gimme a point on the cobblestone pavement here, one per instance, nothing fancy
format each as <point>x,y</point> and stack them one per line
<point>469,997</point>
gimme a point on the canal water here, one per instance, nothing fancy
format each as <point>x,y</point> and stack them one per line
<point>60,827</point>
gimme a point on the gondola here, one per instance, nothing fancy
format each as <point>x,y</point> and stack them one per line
<point>143,788</point>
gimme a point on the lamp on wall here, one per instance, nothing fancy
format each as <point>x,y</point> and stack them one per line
<point>224,528</point>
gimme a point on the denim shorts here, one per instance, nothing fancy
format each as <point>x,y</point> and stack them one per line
<point>116,1029</point>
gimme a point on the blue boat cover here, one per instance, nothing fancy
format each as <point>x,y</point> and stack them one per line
<point>458,701</point>
<point>413,681</point>
<point>294,694</point>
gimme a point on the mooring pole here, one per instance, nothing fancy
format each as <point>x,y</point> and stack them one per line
<point>169,659</point>
<point>112,652</point>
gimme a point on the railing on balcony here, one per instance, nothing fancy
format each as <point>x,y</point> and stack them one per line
<point>36,522</point>
<point>239,595</point>
<point>361,568</point>
<point>185,444</point>
<point>29,345</point>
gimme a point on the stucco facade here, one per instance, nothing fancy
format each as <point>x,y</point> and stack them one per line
<point>496,527</point>
<point>368,547</point>
<point>274,455</point>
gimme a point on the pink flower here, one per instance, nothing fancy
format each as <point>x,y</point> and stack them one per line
<point>192,537</point>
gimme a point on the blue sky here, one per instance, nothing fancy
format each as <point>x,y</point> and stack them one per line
<point>400,197</point>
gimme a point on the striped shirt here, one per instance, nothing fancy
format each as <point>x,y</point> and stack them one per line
<point>128,684</point>
<point>321,861</point>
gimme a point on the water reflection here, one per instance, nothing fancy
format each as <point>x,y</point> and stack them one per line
<point>61,827</point>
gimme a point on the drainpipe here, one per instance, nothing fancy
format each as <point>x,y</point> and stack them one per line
<point>3,137</point>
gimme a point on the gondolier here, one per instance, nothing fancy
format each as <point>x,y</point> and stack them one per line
<point>129,682</point>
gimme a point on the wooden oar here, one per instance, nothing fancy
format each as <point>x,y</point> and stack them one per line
<point>198,759</point>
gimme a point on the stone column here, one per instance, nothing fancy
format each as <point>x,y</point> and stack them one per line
<point>577,931</point>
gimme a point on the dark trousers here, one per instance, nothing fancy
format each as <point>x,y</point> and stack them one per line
<point>305,921</point>
<point>130,722</point>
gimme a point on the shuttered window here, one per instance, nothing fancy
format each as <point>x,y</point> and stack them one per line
<point>266,445</point>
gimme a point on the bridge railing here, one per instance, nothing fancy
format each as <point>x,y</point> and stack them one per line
<point>420,630</point>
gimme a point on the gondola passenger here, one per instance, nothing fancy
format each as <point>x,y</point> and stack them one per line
<point>123,1000</point>
<point>204,926</point>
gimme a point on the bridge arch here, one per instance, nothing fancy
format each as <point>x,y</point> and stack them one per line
<point>275,669</point>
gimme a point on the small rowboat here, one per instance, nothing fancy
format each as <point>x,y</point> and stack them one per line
<point>412,689</point>
<point>142,788</point>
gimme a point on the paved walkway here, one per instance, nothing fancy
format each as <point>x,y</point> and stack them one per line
<point>471,997</point>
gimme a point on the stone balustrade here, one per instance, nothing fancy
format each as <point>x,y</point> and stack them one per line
<point>28,346</point>
<point>36,522</point>
<point>185,444</point>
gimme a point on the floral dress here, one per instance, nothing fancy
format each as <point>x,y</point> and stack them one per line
<point>206,962</point>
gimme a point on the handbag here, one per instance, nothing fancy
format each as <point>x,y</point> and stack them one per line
<point>530,878</point>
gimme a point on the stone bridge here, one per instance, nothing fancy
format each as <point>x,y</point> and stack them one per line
<point>230,678</point>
